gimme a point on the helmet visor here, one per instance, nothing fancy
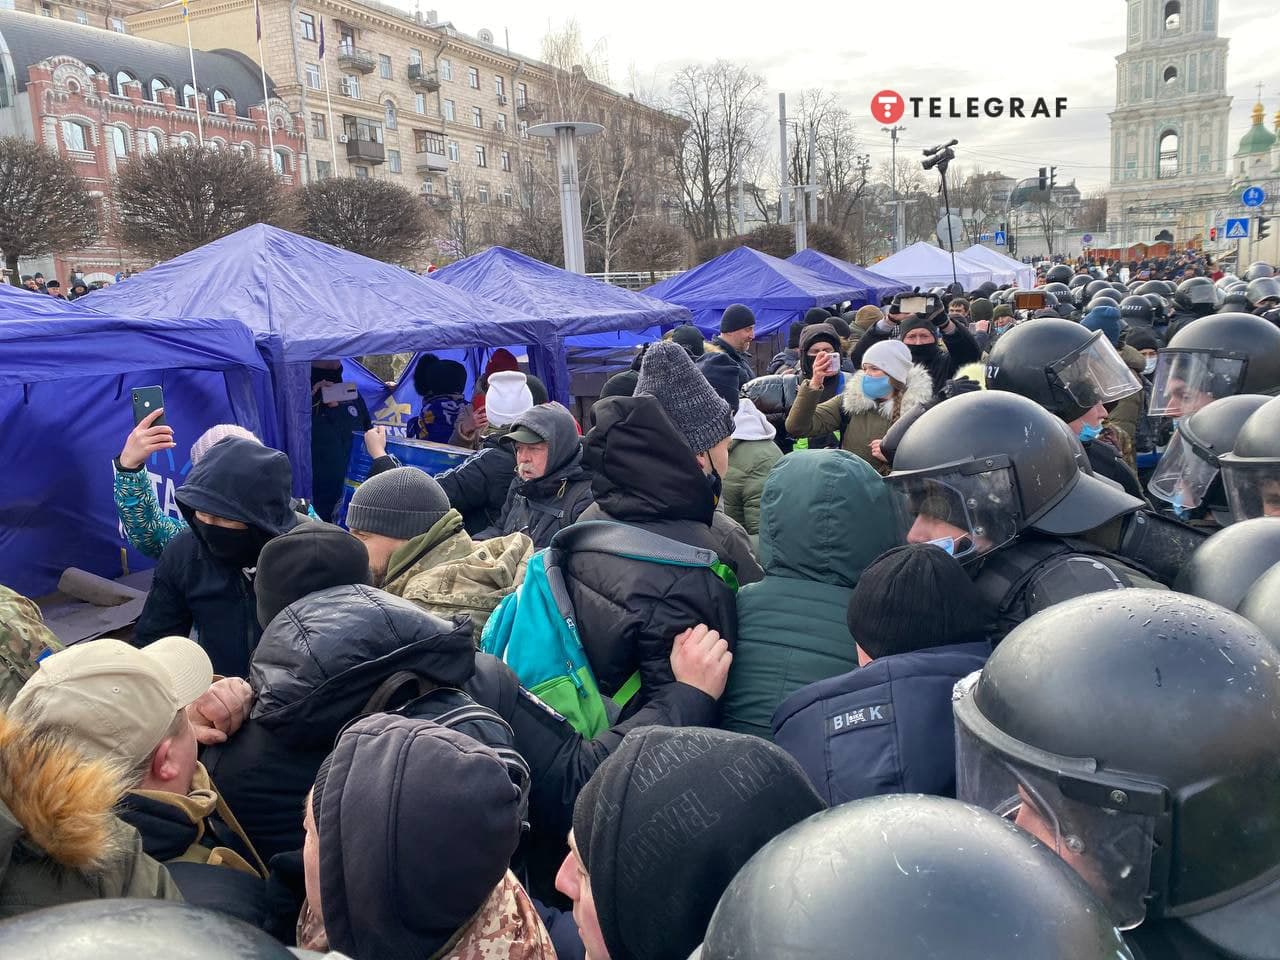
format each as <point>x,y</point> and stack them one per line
<point>967,509</point>
<point>1049,797</point>
<point>1184,476</point>
<point>1095,373</point>
<point>1186,380</point>
<point>1253,487</point>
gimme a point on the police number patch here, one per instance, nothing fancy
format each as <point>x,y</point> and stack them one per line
<point>872,716</point>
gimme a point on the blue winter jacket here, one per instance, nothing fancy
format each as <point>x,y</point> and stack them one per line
<point>883,728</point>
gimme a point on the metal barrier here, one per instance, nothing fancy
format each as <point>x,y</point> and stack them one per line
<point>636,280</point>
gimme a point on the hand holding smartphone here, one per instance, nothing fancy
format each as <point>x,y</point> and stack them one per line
<point>146,401</point>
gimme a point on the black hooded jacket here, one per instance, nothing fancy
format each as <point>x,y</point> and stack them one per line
<point>961,348</point>
<point>236,480</point>
<point>541,508</point>
<point>478,487</point>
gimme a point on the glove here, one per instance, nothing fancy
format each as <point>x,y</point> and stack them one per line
<point>958,386</point>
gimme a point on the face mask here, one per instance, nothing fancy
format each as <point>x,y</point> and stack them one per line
<point>876,388</point>
<point>945,543</point>
<point>715,483</point>
<point>239,548</point>
<point>923,352</point>
<point>1149,367</point>
<point>1089,432</point>
<point>1180,510</point>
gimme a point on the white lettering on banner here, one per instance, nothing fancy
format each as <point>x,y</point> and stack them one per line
<point>168,503</point>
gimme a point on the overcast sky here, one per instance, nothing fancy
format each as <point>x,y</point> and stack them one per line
<point>918,47</point>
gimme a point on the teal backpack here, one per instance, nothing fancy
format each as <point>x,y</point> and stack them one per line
<point>534,629</point>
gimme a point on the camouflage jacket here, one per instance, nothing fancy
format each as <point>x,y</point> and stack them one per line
<point>24,639</point>
<point>447,573</point>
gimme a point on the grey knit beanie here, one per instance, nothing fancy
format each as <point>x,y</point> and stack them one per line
<point>697,411</point>
<point>402,503</point>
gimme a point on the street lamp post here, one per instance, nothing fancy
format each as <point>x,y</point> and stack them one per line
<point>565,133</point>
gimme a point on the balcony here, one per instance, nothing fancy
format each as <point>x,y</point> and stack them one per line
<point>365,151</point>
<point>351,57</point>
<point>432,163</point>
<point>422,77</point>
<point>531,110</point>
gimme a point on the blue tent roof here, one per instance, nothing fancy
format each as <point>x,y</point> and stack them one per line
<point>876,285</point>
<point>312,301</point>
<point>21,303</point>
<point>776,291</point>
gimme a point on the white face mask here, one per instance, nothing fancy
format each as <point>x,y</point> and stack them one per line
<point>1150,366</point>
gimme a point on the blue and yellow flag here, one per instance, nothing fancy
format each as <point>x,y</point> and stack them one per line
<point>185,11</point>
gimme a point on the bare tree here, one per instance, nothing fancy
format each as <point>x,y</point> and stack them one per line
<point>43,204</point>
<point>183,197</point>
<point>1048,216</point>
<point>654,245</point>
<point>464,217</point>
<point>375,218</point>
<point>535,228</point>
<point>973,201</point>
<point>1092,214</point>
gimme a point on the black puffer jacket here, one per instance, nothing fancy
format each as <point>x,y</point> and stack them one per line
<point>942,365</point>
<point>237,480</point>
<point>478,488</point>
<point>541,508</point>
<point>629,612</point>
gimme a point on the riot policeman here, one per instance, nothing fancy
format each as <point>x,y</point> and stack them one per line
<point>1218,356</point>
<point>1251,471</point>
<point>1225,568</point>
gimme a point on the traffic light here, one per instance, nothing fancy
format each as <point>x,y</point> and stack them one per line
<point>1053,177</point>
<point>1263,231</point>
<point>1044,179</point>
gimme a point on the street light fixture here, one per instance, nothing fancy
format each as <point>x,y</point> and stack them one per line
<point>565,133</point>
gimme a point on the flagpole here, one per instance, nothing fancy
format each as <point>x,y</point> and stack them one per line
<point>328,98</point>
<point>266,99</point>
<point>186,18</point>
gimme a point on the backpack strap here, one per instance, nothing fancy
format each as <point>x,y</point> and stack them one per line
<point>628,690</point>
<point>623,540</point>
<point>382,696</point>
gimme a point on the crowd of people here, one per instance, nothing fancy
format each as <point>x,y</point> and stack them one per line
<point>955,633</point>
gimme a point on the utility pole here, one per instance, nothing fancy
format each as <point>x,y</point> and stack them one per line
<point>784,214</point>
<point>899,224</point>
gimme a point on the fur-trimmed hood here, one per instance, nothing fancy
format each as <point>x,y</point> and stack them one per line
<point>918,389</point>
<point>54,799</point>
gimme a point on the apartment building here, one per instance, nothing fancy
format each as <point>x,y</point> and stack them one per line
<point>105,14</point>
<point>414,100</point>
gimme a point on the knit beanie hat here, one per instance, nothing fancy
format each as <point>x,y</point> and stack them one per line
<point>1002,310</point>
<point>401,503</point>
<point>886,615</point>
<point>793,334</point>
<point>1105,318</point>
<point>219,431</point>
<point>868,316</point>
<point>701,416</point>
<point>916,322</point>
<point>433,377</point>
<point>891,356</point>
<point>840,324</point>
<point>508,396</point>
<point>689,337</point>
<point>1143,338</point>
<point>311,557</point>
<point>725,381</point>
<point>737,316</point>
<point>981,309</point>
<point>666,823</point>
<point>816,315</point>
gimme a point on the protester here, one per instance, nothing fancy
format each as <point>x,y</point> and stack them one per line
<point>410,830</point>
<point>551,488</point>
<point>236,499</point>
<point>662,828</point>
<point>824,516</point>
<point>788,360</point>
<point>332,424</point>
<point>440,384</point>
<point>54,289</point>
<point>923,339</point>
<point>418,549</point>
<point>24,641</point>
<point>129,706</point>
<point>729,349</point>
<point>888,384</point>
<point>893,731</point>
<point>752,454</point>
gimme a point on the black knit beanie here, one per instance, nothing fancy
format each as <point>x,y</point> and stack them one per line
<point>313,556</point>
<point>916,322</point>
<point>913,598</point>
<point>981,309</point>
<point>689,337</point>
<point>841,325</point>
<point>737,316</point>
<point>816,315</point>
<point>666,823</point>
<point>537,389</point>
<point>793,335</point>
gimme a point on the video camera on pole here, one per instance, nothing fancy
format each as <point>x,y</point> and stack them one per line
<point>941,157</point>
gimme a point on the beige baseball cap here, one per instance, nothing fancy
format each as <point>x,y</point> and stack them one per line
<point>117,700</point>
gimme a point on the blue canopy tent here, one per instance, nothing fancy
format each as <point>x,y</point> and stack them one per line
<point>876,286</point>
<point>64,399</point>
<point>21,302</point>
<point>776,291</point>
<point>304,300</point>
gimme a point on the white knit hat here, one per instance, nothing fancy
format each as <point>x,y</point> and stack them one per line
<point>219,431</point>
<point>508,396</point>
<point>891,356</point>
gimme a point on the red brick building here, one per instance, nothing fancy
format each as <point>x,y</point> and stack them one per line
<point>103,98</point>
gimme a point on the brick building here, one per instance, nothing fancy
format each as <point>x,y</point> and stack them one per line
<point>101,98</point>
<point>104,14</point>
<point>416,101</point>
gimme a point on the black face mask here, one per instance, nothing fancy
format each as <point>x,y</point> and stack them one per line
<point>323,376</point>
<point>922,352</point>
<point>239,548</point>
<point>715,483</point>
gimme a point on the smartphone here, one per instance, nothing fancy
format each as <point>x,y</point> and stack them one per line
<point>1029,300</point>
<point>146,401</point>
<point>339,393</point>
<point>913,304</point>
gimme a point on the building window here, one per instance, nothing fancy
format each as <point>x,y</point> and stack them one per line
<point>153,142</point>
<point>46,10</point>
<point>446,69</point>
<point>429,143</point>
<point>122,77</point>
<point>362,173</point>
<point>317,126</point>
<point>1170,74</point>
<point>1172,15</point>
<point>455,190</point>
<point>522,94</point>
<point>481,159</point>
<point>279,162</point>
<point>415,55</point>
<point>473,78</point>
<point>502,122</point>
<point>358,128</point>
<point>384,66</point>
<point>351,85</point>
<point>453,151</point>
<point>117,25</point>
<point>505,159</point>
<point>420,102</point>
<point>1168,156</point>
<point>391,114</point>
<point>313,76</point>
<point>119,142</point>
<point>393,161</point>
<point>219,97</point>
<point>528,170</point>
<point>450,111</point>
<point>157,84</point>
<point>307,23</point>
<point>506,197</point>
<point>187,141</point>
<point>524,129</point>
<point>324,169</point>
<point>428,187</point>
<point>188,96</point>
<point>477,118</point>
<point>500,87</point>
<point>82,17</point>
<point>75,136</point>
<point>482,192</point>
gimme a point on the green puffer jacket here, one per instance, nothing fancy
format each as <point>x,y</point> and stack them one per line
<point>752,454</point>
<point>825,516</point>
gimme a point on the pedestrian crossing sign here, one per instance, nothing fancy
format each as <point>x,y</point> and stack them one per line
<point>1237,229</point>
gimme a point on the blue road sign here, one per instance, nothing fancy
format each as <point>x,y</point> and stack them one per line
<point>984,238</point>
<point>1087,238</point>
<point>1253,197</point>
<point>1000,238</point>
<point>1237,229</point>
